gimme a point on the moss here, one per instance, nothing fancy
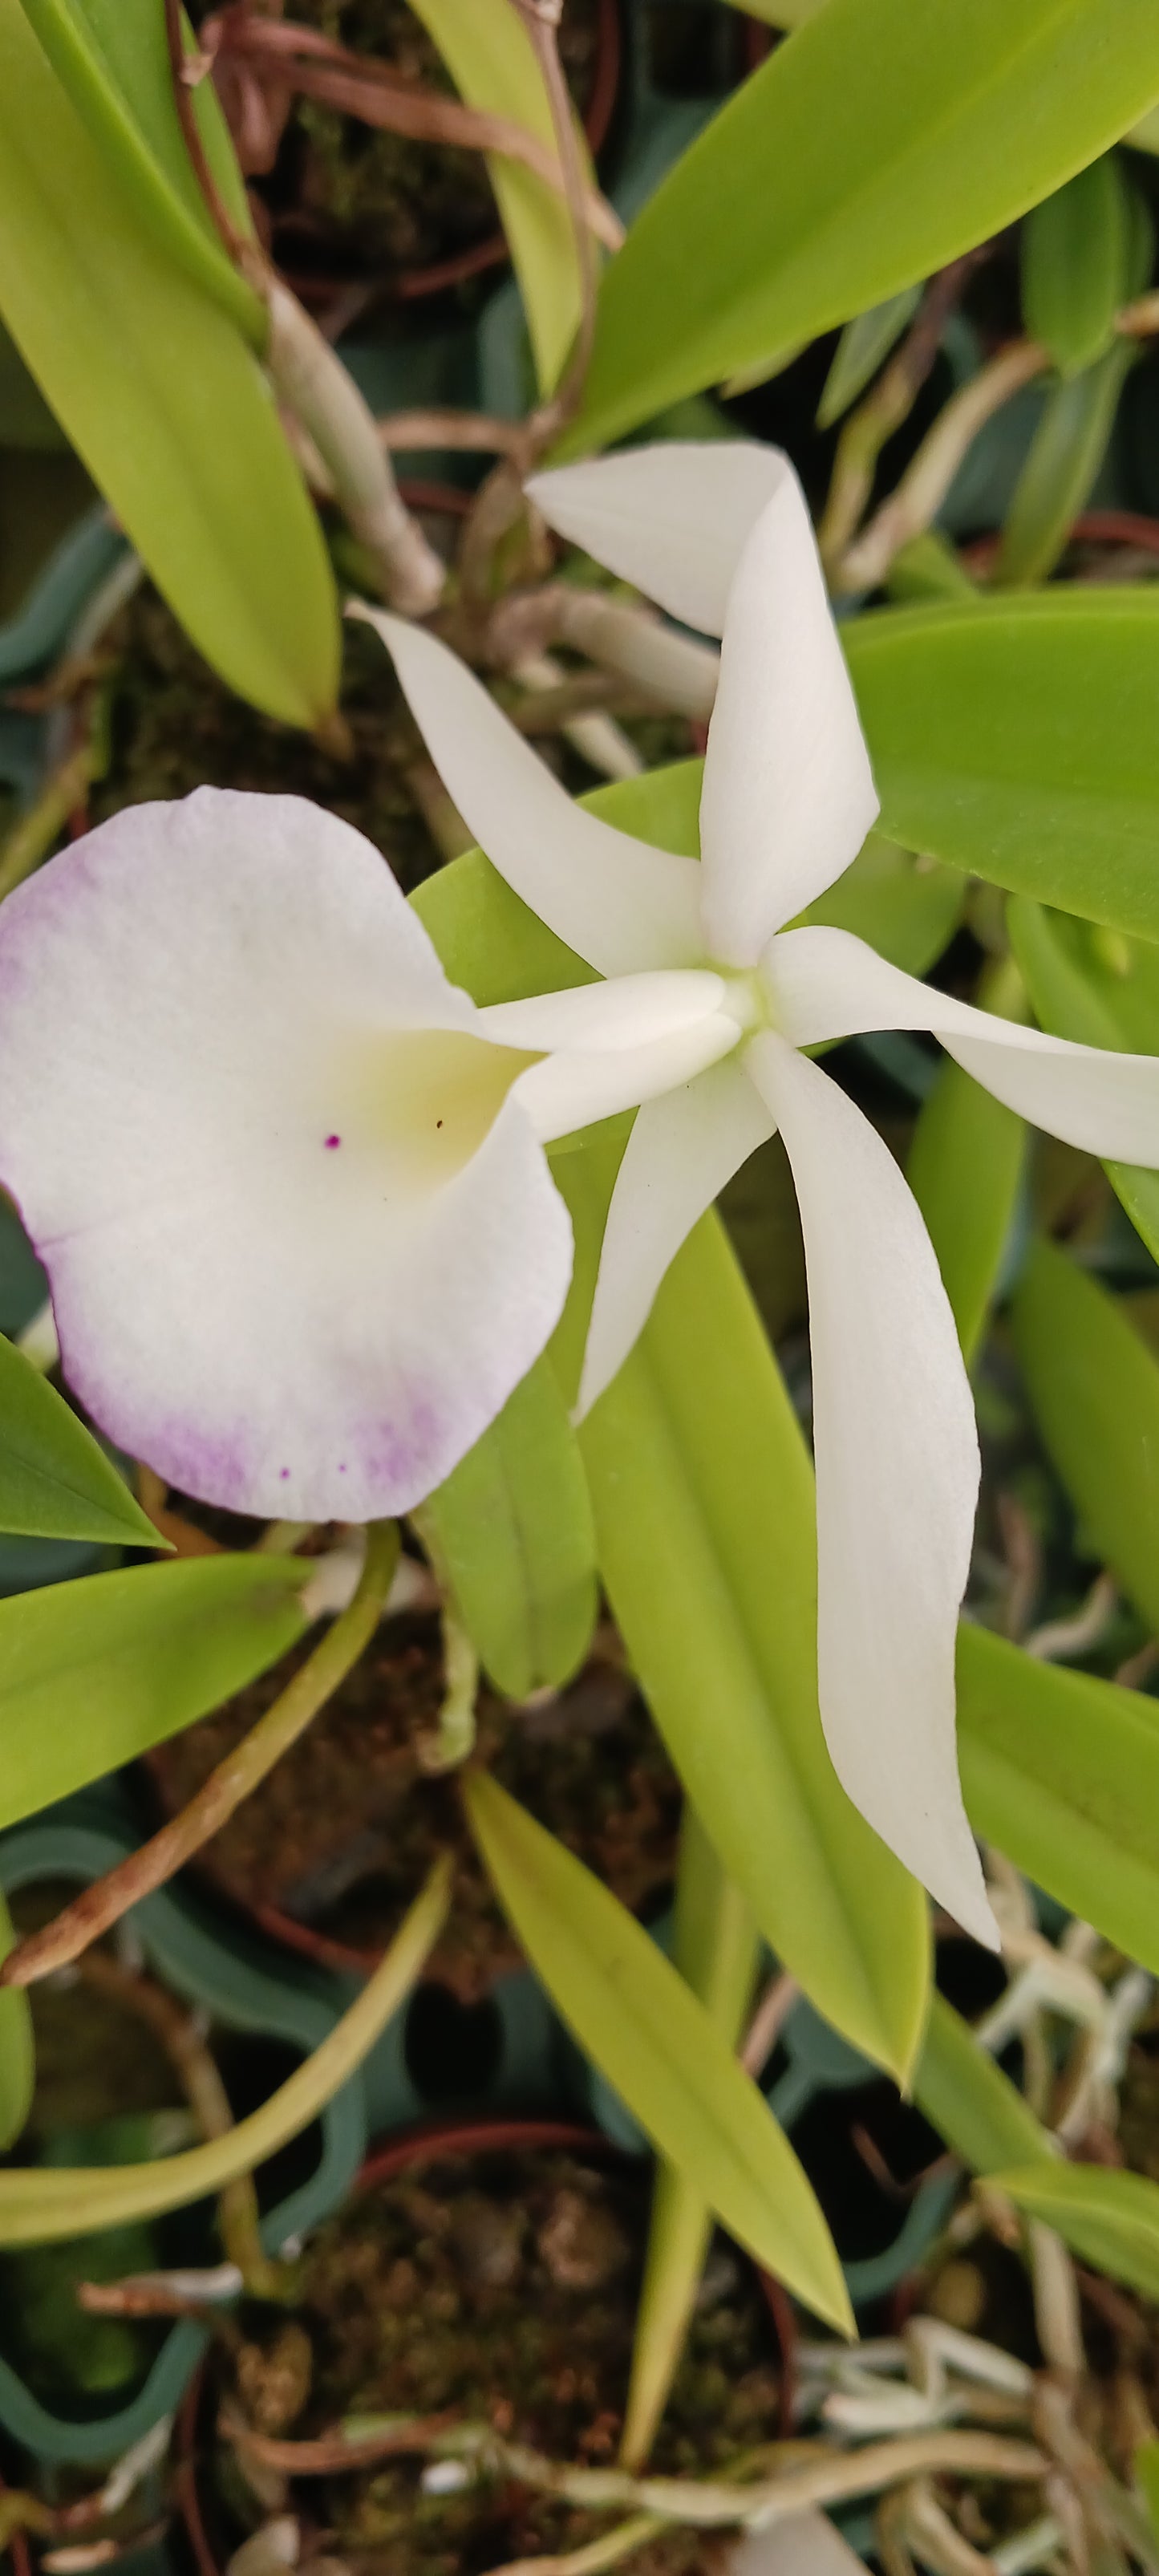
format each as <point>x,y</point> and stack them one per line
<point>503,2287</point>
<point>173,726</point>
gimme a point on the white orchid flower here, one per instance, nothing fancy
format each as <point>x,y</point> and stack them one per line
<point>721,537</point>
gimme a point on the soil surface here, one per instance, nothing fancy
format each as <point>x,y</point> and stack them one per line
<point>501,2286</point>
<point>341,1834</point>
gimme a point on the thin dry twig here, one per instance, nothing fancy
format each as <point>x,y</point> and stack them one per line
<point>241,1771</point>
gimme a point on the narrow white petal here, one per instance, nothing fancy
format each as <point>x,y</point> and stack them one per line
<point>272,1167</point>
<point>897,1481</point>
<point>619,903</point>
<point>828,984</point>
<point>788,791</point>
<point>682,1150</point>
<point>575,1088</point>
<point>628,1010</point>
<point>672,518</point>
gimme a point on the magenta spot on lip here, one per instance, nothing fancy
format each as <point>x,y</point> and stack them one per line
<point>283,1472</point>
<point>331,1142</point>
<point>342,1467</point>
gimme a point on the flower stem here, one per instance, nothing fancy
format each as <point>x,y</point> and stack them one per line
<point>108,1898</point>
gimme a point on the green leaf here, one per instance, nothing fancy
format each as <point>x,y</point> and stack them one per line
<point>1061,1771</point>
<point>1093,1385</point>
<point>1075,265</point>
<point>1015,737</point>
<point>55,1480</point>
<point>635,2016</point>
<point>39,2206</point>
<point>112,57</point>
<point>873,147</point>
<point>1063,460</point>
<point>705,1525</point>
<point>491,60</point>
<point>17,2066</point>
<point>863,344</point>
<point>703,1496</point>
<point>970,2102</point>
<point>1103,990</point>
<point>513,1526</point>
<point>1109,2219</point>
<point>715,1949</point>
<point>92,1673</point>
<point>161,397</point>
<point>965,1169</point>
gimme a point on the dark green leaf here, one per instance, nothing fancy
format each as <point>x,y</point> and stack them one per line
<point>1016,738</point>
<point>1093,1384</point>
<point>1075,263</point>
<point>92,1673</point>
<point>965,1168</point>
<point>161,397</point>
<point>513,1526</point>
<point>860,350</point>
<point>869,150</point>
<point>55,1480</point>
<point>1061,1771</point>
<point>643,2026</point>
<point>1065,456</point>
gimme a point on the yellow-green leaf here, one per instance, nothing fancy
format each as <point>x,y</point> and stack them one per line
<point>633,2014</point>
<point>1107,2218</point>
<point>513,1525</point>
<point>162,397</point>
<point>94,1672</point>
<point>55,1480</point>
<point>491,60</point>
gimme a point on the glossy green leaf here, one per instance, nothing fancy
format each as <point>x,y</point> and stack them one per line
<point>513,1526</point>
<point>869,150</point>
<point>45,2202</point>
<point>489,55</point>
<point>1016,738</point>
<point>1075,264</point>
<point>1102,989</point>
<point>55,1480</point>
<point>970,2102</point>
<point>17,2065</point>
<point>1061,1771</point>
<point>965,1169</point>
<point>1093,1385</point>
<point>635,2016</point>
<point>1065,456</point>
<point>704,1513</point>
<point>715,1949</point>
<point>1145,2474</point>
<point>863,345</point>
<point>1108,2219</point>
<point>162,398</point>
<point>112,57</point>
<point>92,1673</point>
